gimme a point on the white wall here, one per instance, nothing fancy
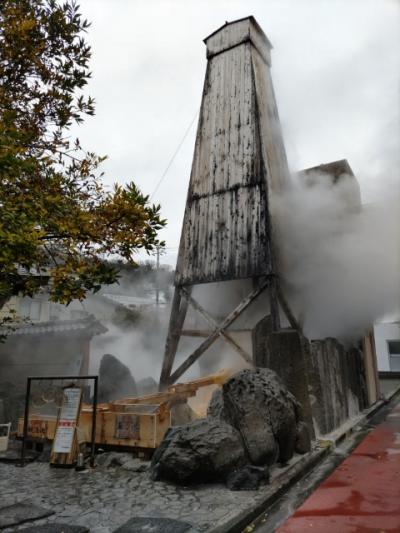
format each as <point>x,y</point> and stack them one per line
<point>382,333</point>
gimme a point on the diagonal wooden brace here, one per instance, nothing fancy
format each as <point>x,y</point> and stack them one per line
<point>214,324</point>
<point>215,334</point>
<point>178,314</point>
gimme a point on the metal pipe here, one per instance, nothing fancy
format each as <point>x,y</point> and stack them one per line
<point>26,417</point>
<point>94,413</point>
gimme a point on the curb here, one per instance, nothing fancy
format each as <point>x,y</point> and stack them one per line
<point>333,439</point>
<point>274,491</point>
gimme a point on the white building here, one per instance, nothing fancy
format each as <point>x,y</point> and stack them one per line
<point>387,346</point>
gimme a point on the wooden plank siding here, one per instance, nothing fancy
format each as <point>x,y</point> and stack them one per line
<point>239,155</point>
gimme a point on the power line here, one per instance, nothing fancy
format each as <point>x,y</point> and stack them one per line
<point>174,155</point>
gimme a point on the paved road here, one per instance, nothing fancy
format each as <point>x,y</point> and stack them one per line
<point>363,493</point>
<point>104,498</point>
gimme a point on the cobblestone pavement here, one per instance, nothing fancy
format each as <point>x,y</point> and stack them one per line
<point>105,498</point>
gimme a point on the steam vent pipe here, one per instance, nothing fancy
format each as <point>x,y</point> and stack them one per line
<point>239,157</point>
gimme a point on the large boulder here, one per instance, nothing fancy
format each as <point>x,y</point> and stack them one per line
<point>266,414</point>
<point>182,413</point>
<point>205,450</point>
<point>252,422</point>
<point>115,380</point>
<point>146,386</point>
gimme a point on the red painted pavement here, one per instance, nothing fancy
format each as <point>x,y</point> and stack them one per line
<point>362,494</point>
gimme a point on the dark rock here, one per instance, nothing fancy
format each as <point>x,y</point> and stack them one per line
<point>303,441</point>
<point>155,461</point>
<point>253,421</point>
<point>249,477</point>
<point>181,414</point>
<point>124,460</point>
<point>216,406</point>
<point>155,525</point>
<point>113,458</point>
<point>205,450</point>
<point>146,386</point>
<point>260,407</point>
<point>136,465</point>
<point>115,380</point>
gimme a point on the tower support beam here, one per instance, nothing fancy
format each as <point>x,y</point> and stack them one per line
<point>244,304</point>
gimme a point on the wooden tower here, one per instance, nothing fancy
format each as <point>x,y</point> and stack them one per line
<point>239,159</point>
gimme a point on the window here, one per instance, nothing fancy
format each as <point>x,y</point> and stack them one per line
<point>394,347</point>
<point>394,354</point>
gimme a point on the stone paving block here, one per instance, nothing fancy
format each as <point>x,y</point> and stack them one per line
<point>18,513</point>
<point>55,528</point>
<point>155,525</point>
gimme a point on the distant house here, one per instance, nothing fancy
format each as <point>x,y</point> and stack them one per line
<point>134,302</point>
<point>46,339</point>
<point>338,174</point>
<point>53,339</point>
<point>387,346</point>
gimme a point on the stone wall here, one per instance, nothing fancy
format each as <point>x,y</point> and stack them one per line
<point>328,380</point>
<point>283,351</point>
<point>337,384</point>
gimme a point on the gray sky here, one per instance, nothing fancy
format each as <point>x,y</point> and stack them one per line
<point>335,68</point>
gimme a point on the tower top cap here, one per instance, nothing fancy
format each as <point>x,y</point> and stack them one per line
<point>237,32</point>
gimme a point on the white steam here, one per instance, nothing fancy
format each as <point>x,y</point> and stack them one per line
<point>341,265</point>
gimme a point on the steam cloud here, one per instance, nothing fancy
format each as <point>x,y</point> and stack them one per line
<point>341,267</point>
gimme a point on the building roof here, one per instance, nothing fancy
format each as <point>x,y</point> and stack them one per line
<point>251,20</point>
<point>334,174</point>
<point>335,170</point>
<point>88,325</point>
<point>132,301</point>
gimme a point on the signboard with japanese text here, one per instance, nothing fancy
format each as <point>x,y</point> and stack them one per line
<point>127,426</point>
<point>67,420</point>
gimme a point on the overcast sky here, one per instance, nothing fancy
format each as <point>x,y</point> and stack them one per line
<point>335,69</point>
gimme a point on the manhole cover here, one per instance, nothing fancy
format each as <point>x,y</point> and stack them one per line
<point>18,513</point>
<point>154,525</point>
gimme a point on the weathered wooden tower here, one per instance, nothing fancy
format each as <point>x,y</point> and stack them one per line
<point>239,159</point>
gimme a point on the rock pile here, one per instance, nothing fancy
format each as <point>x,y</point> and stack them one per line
<point>252,422</point>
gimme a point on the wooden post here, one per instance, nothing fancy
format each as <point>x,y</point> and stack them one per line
<point>177,319</point>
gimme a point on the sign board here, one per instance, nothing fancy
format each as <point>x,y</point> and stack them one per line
<point>127,427</point>
<point>67,420</point>
<point>37,429</point>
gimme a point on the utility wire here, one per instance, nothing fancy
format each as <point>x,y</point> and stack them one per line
<point>174,155</point>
